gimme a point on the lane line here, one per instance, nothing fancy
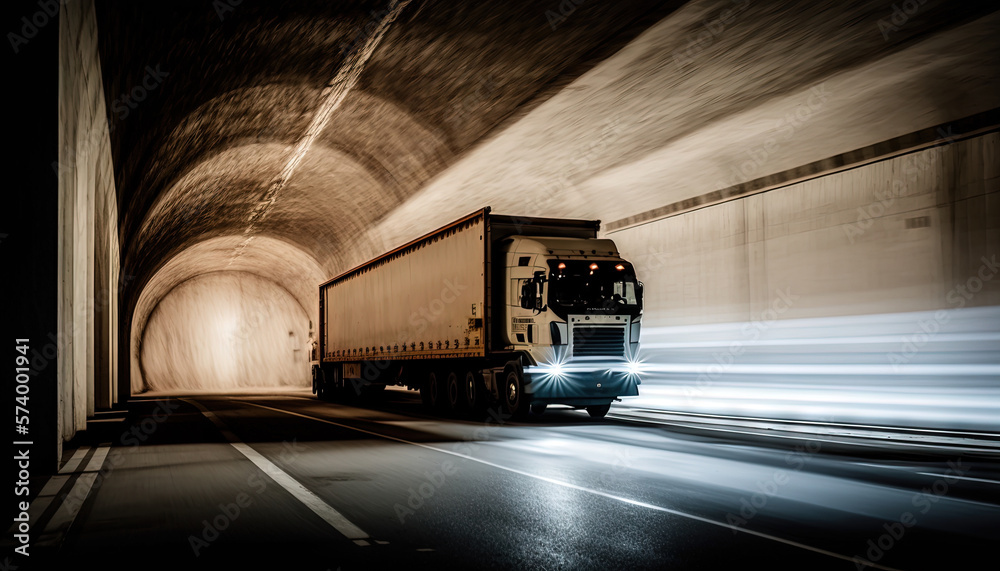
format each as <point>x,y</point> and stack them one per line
<point>324,510</point>
<point>587,490</point>
<point>950,477</point>
<point>55,531</point>
<point>856,439</point>
<point>74,461</point>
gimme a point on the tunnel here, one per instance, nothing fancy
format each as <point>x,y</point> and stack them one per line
<point>807,193</point>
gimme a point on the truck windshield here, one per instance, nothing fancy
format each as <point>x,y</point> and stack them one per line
<point>585,286</point>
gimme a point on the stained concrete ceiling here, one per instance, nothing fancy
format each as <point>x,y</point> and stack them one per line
<point>240,84</point>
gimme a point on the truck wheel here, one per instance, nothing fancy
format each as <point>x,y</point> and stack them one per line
<point>539,409</point>
<point>322,387</point>
<point>598,411</point>
<point>513,399</point>
<point>454,394</point>
<point>435,396</point>
<point>475,392</point>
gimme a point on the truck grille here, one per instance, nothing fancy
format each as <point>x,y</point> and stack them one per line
<point>598,341</point>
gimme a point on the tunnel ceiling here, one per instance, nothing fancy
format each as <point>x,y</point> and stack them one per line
<point>227,88</point>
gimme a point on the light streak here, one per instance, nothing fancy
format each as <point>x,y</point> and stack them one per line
<point>330,99</point>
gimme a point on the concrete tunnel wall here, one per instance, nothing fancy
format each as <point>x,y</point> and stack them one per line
<point>88,264</point>
<point>893,236</point>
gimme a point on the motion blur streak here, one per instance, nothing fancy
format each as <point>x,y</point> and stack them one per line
<point>922,369</point>
<point>332,96</point>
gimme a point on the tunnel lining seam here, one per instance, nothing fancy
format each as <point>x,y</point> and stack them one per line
<point>969,127</point>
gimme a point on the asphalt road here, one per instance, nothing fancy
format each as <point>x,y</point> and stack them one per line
<point>289,482</point>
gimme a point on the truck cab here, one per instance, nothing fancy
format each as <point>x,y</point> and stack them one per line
<point>573,309</point>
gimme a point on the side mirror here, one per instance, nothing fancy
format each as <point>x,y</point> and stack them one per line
<point>539,280</point>
<point>528,290</point>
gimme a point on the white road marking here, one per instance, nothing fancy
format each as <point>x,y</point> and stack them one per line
<point>952,476</point>
<point>55,530</point>
<point>290,484</point>
<point>74,461</point>
<point>584,489</point>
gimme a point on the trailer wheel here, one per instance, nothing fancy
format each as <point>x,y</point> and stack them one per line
<point>453,392</point>
<point>475,391</point>
<point>513,399</point>
<point>539,409</point>
<point>434,390</point>
<point>598,411</point>
<point>322,389</point>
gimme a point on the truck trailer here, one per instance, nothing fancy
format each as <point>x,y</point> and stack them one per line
<point>490,309</point>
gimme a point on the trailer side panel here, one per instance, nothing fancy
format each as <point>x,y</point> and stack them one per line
<point>423,300</point>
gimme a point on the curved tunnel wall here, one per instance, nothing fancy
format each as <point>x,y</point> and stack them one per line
<point>224,331</point>
<point>277,283</point>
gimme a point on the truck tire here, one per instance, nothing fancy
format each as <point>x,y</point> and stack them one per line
<point>322,387</point>
<point>435,390</point>
<point>512,398</point>
<point>598,411</point>
<point>474,391</point>
<point>454,393</point>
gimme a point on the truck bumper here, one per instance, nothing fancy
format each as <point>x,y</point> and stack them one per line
<point>580,388</point>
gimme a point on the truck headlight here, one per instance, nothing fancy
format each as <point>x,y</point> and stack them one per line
<point>633,367</point>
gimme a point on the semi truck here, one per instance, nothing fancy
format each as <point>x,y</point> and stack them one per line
<point>520,312</point>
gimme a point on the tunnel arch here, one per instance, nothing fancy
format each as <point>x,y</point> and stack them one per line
<point>284,266</point>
